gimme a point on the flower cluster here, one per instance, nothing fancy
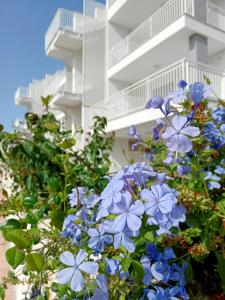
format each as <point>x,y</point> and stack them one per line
<point>141,204</point>
<point>160,269</point>
<point>215,130</point>
<point>115,218</point>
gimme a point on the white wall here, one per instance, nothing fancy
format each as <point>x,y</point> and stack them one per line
<point>218,60</point>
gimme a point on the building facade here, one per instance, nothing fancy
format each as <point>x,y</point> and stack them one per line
<point>119,56</point>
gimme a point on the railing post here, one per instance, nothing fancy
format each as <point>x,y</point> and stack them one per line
<point>187,65</point>
<point>184,69</point>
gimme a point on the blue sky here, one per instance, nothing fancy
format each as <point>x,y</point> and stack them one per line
<point>23,24</point>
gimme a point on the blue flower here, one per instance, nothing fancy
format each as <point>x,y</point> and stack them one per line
<point>213,180</point>
<point>220,170</point>
<point>133,132</point>
<point>183,170</point>
<point>112,193</point>
<point>214,135</point>
<point>146,263</point>
<point>112,266</point>
<point>161,271</point>
<point>199,91</point>
<point>72,230</point>
<point>178,96</point>
<point>101,293</point>
<point>75,266</point>
<point>159,198</point>
<point>123,238</point>
<point>176,135</point>
<point>182,84</point>
<point>155,102</point>
<point>169,158</point>
<point>218,114</point>
<point>152,251</point>
<point>77,193</point>
<point>129,214</point>
<point>98,239</point>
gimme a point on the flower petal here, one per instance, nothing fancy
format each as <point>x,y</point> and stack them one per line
<point>190,131</point>
<point>167,202</point>
<point>169,132</point>
<point>65,275</point>
<point>137,208</point>
<point>81,256</point>
<point>92,243</point>
<point>178,122</point>
<point>128,243</point>
<point>89,267</point>
<point>185,144</point>
<point>77,283</point>
<point>120,223</point>
<point>133,222</point>
<point>92,232</point>
<point>67,258</point>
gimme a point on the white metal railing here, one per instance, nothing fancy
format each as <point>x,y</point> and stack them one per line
<point>215,16</point>
<point>22,92</point>
<point>134,97</point>
<point>162,18</point>
<point>111,2</point>
<point>64,20</point>
<point>61,82</point>
<point>74,22</point>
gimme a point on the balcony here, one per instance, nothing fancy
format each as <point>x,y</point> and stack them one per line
<point>65,87</point>
<point>22,96</point>
<point>66,30</point>
<point>133,99</point>
<point>171,11</point>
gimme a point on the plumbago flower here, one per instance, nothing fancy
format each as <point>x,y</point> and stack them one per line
<point>129,214</point>
<point>157,266</point>
<point>141,203</point>
<point>177,135</point>
<point>73,272</point>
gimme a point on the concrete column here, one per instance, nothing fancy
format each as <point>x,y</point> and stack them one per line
<point>198,48</point>
<point>200,10</point>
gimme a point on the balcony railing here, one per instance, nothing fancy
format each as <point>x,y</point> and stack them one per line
<point>61,82</point>
<point>111,2</point>
<point>161,19</point>
<point>64,20</point>
<point>22,92</point>
<point>216,16</point>
<point>134,98</point>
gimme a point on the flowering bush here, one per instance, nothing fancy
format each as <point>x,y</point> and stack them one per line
<point>153,230</point>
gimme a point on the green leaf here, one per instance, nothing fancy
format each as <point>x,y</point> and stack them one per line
<point>14,257</point>
<point>189,271</point>
<point>125,263</point>
<point>18,236</point>
<point>138,269</point>
<point>53,185</point>
<point>57,218</point>
<point>149,236</point>
<point>11,223</point>
<point>221,268</point>
<point>34,262</point>
<point>29,202</point>
<point>68,143</point>
<point>28,148</point>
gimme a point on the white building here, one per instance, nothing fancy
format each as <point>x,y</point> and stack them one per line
<point>118,57</point>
